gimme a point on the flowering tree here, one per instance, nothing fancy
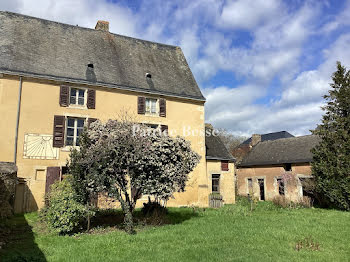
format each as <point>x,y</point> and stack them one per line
<point>126,160</point>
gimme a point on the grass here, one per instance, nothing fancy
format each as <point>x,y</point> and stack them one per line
<point>232,233</point>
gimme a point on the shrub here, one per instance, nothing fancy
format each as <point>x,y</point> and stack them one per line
<point>306,202</point>
<point>283,202</point>
<point>63,213</point>
<point>151,207</point>
<point>154,213</point>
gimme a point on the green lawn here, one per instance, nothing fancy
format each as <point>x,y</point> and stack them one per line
<point>228,234</point>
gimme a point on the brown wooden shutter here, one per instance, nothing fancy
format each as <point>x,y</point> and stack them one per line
<point>53,174</point>
<point>141,105</point>
<point>224,165</point>
<point>64,96</point>
<point>91,120</point>
<point>164,129</point>
<point>58,131</point>
<point>162,107</point>
<point>91,99</point>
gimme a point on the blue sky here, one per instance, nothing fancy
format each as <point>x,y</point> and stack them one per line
<point>263,65</point>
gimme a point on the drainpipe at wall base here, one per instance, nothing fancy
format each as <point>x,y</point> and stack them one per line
<point>18,116</point>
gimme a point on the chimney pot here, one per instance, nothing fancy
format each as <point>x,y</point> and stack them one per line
<point>102,25</point>
<point>256,138</point>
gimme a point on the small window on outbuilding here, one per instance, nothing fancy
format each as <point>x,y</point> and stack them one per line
<point>224,165</point>
<point>215,183</point>
<point>288,167</point>
<point>280,184</point>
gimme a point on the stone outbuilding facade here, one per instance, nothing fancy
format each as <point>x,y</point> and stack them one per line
<point>277,167</point>
<point>220,169</point>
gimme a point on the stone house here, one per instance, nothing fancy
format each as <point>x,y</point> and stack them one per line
<point>276,167</point>
<point>57,78</point>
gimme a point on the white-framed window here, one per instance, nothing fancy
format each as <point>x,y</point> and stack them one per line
<point>77,96</point>
<point>151,106</point>
<point>74,128</point>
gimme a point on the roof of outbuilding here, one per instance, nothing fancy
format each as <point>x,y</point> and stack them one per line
<point>8,168</point>
<point>271,136</point>
<point>281,151</point>
<point>35,47</point>
<point>216,150</point>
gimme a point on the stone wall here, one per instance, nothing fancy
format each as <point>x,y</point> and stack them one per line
<point>227,180</point>
<point>8,180</point>
<point>270,174</point>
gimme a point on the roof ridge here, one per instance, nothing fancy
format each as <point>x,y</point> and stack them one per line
<point>285,138</point>
<point>87,28</point>
<point>276,132</point>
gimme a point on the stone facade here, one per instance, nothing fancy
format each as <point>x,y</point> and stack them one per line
<point>270,173</point>
<point>39,105</point>
<point>227,180</point>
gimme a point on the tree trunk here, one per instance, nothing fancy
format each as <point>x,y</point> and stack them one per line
<point>88,218</point>
<point>127,210</point>
<point>128,222</point>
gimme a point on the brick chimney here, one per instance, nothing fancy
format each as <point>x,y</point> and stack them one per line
<point>102,25</point>
<point>255,139</point>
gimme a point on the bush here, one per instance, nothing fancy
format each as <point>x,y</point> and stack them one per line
<point>283,202</point>
<point>306,202</point>
<point>63,213</point>
<point>152,207</point>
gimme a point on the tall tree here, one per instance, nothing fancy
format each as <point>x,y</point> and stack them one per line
<point>230,140</point>
<point>331,165</point>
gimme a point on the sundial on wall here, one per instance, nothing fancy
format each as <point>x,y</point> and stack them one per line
<point>39,146</point>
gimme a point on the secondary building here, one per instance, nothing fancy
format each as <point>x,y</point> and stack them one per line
<point>276,167</point>
<point>220,168</point>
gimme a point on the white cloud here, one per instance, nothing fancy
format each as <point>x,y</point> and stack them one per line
<point>297,110</point>
<point>247,14</point>
<point>339,20</point>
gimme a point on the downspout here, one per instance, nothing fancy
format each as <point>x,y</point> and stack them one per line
<point>18,116</point>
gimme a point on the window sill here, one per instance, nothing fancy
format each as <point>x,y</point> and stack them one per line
<point>69,148</point>
<point>77,107</point>
<point>153,115</point>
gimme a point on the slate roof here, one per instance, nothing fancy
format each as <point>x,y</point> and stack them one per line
<point>281,151</point>
<point>216,150</point>
<point>8,168</point>
<point>40,48</point>
<point>271,136</point>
